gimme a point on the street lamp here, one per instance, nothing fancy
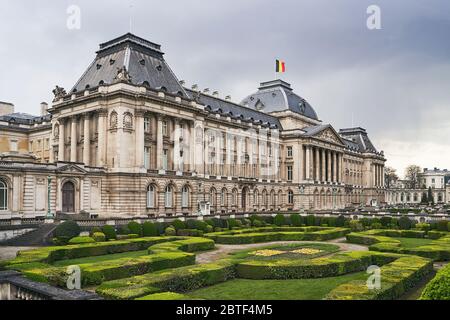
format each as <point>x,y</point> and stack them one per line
<point>49,210</point>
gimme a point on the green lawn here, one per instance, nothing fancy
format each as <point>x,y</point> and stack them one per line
<point>301,289</point>
<point>409,243</point>
<point>96,259</point>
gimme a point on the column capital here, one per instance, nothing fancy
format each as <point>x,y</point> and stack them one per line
<point>139,113</point>
<point>102,112</point>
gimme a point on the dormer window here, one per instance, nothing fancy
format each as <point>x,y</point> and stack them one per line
<point>112,61</point>
<point>142,62</point>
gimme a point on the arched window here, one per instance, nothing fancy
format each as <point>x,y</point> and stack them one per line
<point>185,197</point>
<point>168,197</point>
<point>234,198</point>
<point>113,120</point>
<point>256,197</point>
<point>146,124</point>
<point>264,198</point>
<point>127,120</point>
<point>290,197</point>
<point>3,196</point>
<point>150,196</point>
<point>415,197</point>
<point>212,197</point>
<point>439,197</point>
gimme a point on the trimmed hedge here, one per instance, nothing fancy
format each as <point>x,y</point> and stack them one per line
<point>99,236</point>
<point>336,265</point>
<point>166,296</point>
<point>178,280</point>
<point>164,253</point>
<point>379,240</point>
<point>270,234</point>
<point>439,287</point>
<point>80,240</point>
<point>189,233</point>
<point>397,278</point>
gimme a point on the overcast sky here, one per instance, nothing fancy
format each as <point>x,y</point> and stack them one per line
<point>395,82</point>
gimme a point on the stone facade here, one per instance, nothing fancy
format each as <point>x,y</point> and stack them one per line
<point>130,140</point>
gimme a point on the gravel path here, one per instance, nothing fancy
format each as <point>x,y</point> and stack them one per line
<point>224,249</point>
<point>10,252</point>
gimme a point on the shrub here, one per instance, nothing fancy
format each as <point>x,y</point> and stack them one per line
<point>135,228</point>
<point>232,223</point>
<point>149,229</point>
<point>310,220</point>
<point>99,236</point>
<point>340,221</point>
<point>332,222</point>
<point>296,220</point>
<point>110,232</point>
<point>178,224</point>
<point>366,222</point>
<point>94,230</point>
<point>377,226</point>
<point>170,231</point>
<point>79,240</point>
<point>209,228</point>
<point>279,220</point>
<point>356,225</point>
<point>442,225</point>
<point>190,232</point>
<point>257,223</point>
<point>439,287</point>
<point>385,221</point>
<point>404,223</point>
<point>123,230</point>
<point>423,226</point>
<point>133,236</point>
<point>66,230</point>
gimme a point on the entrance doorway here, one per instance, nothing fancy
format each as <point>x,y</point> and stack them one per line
<point>68,197</point>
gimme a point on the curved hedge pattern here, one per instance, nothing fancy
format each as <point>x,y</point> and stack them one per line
<point>379,240</point>
<point>439,287</point>
<point>270,234</point>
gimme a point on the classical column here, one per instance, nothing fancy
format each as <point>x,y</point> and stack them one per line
<point>140,138</point>
<point>73,140</point>
<point>383,180</point>
<point>302,162</point>
<point>329,165</point>
<point>192,157</point>
<point>308,159</point>
<point>324,177</point>
<point>317,165</point>
<point>61,140</point>
<point>87,140</point>
<point>101,144</point>
<point>159,143</point>
<point>373,175</point>
<point>176,146</point>
<point>334,167</point>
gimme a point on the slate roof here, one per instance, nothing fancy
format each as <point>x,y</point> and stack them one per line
<point>236,111</point>
<point>24,118</point>
<point>357,138</point>
<point>142,59</point>
<point>277,95</point>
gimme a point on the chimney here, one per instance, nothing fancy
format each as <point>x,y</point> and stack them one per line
<point>44,108</point>
<point>6,108</point>
<point>194,87</point>
<point>228,98</point>
<point>216,94</point>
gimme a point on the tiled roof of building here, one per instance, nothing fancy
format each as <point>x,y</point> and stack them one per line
<point>277,95</point>
<point>236,111</point>
<point>357,139</point>
<point>142,59</point>
<point>24,118</point>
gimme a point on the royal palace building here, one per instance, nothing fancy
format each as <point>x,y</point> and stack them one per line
<point>130,139</point>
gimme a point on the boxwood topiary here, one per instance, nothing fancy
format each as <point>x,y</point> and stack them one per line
<point>110,232</point>
<point>178,224</point>
<point>404,223</point>
<point>279,220</point>
<point>149,229</point>
<point>66,230</point>
<point>170,231</point>
<point>135,228</point>
<point>79,240</point>
<point>296,220</point>
<point>99,236</point>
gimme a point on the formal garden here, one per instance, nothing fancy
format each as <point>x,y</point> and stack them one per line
<point>281,257</point>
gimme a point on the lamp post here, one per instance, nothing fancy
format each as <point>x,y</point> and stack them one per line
<point>49,210</point>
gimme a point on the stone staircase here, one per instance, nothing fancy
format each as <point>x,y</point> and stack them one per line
<point>38,237</point>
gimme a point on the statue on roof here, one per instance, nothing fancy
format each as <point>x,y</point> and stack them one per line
<point>59,92</point>
<point>122,75</point>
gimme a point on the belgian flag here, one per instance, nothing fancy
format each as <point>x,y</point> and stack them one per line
<point>280,66</point>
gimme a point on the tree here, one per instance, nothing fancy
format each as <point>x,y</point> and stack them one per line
<point>412,175</point>
<point>430,196</point>
<point>390,176</point>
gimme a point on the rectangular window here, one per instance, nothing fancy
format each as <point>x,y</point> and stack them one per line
<point>147,158</point>
<point>289,173</point>
<point>165,159</point>
<point>165,128</point>
<point>289,152</point>
<point>13,145</point>
<point>147,124</point>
